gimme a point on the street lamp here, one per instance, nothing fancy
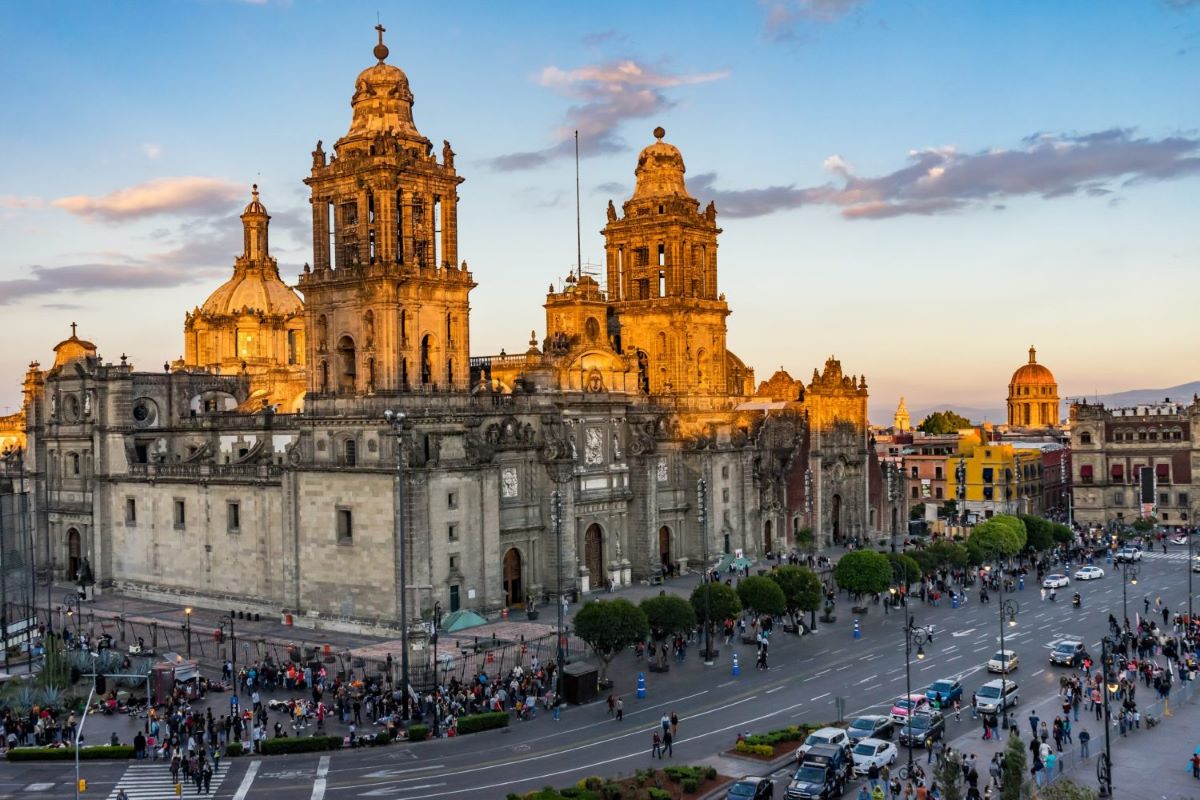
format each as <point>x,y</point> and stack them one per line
<point>702,504</point>
<point>1008,619</point>
<point>232,649</point>
<point>560,466</point>
<point>1129,575</point>
<point>187,629</point>
<point>914,639</point>
<point>1104,763</point>
<point>396,420</point>
<point>72,599</point>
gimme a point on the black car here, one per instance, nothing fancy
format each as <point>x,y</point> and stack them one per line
<point>751,788</point>
<point>826,771</point>
<point>923,729</point>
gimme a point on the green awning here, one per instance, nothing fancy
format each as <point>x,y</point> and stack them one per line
<point>461,620</point>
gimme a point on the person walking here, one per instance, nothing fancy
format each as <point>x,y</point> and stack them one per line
<point>1033,723</point>
<point>1085,738</point>
<point>620,709</point>
<point>674,725</point>
<point>667,739</point>
<point>656,750</point>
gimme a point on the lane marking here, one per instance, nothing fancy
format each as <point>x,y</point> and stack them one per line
<point>776,689</point>
<point>868,678</point>
<point>318,792</point>
<point>247,781</point>
<point>818,697</point>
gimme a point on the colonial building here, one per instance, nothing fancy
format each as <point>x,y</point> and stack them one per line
<point>401,464</point>
<point>1113,449</point>
<point>1033,396</point>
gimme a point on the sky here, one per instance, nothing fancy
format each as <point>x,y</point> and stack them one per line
<point>921,189</point>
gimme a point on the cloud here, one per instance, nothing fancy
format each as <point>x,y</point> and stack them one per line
<point>1180,5</point>
<point>77,278</point>
<point>783,16</point>
<point>152,151</point>
<point>944,180</point>
<point>607,95</point>
<point>189,194</point>
<point>21,201</point>
<point>611,188</point>
<point>602,37</point>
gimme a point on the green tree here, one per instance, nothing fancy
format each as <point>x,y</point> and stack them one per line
<point>1061,533</point>
<point>668,615</point>
<point>948,775</point>
<point>802,590</point>
<point>804,539</point>
<point>723,601</point>
<point>917,511</point>
<point>609,626</point>
<point>1014,785</point>
<point>761,595</point>
<point>942,422</point>
<point>863,572</point>
<point>998,537</point>
<point>1144,524</point>
<point>905,568</point>
<point>1038,533</point>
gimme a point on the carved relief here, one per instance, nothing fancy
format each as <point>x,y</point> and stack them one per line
<point>593,451</point>
<point>510,483</point>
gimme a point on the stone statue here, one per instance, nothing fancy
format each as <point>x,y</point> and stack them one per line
<point>318,155</point>
<point>612,212</point>
<point>87,404</point>
<point>447,154</point>
<point>710,211</point>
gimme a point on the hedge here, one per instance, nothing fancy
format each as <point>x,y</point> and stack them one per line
<point>418,733</point>
<point>764,750</point>
<point>300,744</point>
<point>234,749</point>
<point>121,751</point>
<point>473,723</point>
<point>792,733</point>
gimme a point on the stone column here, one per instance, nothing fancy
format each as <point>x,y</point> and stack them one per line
<point>320,211</point>
<point>450,229</point>
<point>385,226</point>
<point>404,220</point>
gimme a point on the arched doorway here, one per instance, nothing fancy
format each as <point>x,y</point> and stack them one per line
<point>835,517</point>
<point>767,537</point>
<point>514,593</point>
<point>73,554</point>
<point>664,549</point>
<point>348,375</point>
<point>593,553</point>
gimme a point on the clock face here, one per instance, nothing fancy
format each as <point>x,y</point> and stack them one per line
<point>510,485</point>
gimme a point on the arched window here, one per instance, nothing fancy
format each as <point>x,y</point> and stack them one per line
<point>426,359</point>
<point>348,377</point>
<point>74,463</point>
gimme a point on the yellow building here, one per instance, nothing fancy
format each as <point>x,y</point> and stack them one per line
<point>999,478</point>
<point>1033,396</point>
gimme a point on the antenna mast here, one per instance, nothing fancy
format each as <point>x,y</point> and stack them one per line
<point>578,237</point>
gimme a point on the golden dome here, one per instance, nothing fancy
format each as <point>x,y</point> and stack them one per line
<point>1033,373</point>
<point>253,290</point>
<point>660,170</point>
<point>255,206</point>
<point>73,349</point>
<point>382,100</point>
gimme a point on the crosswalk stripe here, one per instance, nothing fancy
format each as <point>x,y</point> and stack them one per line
<point>153,782</point>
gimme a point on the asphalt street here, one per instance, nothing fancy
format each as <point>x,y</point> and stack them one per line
<point>805,678</point>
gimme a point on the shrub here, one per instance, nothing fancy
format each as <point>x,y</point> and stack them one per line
<point>658,794</point>
<point>710,773</point>
<point>473,723</point>
<point>593,782</point>
<point>383,737</point>
<point>234,749</point>
<point>301,744</point>
<point>612,791</point>
<point>764,750</point>
<point>122,751</point>
<point>418,733</point>
<point>690,785</point>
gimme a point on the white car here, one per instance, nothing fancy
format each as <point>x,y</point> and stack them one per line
<point>1056,581</point>
<point>1003,661</point>
<point>874,752</point>
<point>1196,564</point>
<point>1088,573</point>
<point>834,736</point>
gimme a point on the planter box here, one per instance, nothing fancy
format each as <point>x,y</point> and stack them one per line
<point>828,620</point>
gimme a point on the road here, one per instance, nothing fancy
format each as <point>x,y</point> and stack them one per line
<point>805,678</point>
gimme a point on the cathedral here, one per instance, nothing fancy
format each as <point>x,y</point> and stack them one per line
<point>320,447</point>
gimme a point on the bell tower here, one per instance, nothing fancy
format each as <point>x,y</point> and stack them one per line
<point>661,256</point>
<point>387,299</point>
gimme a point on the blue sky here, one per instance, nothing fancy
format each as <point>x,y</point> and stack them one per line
<point>923,189</point>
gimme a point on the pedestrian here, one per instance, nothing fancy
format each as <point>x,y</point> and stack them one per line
<point>957,711</point>
<point>674,725</point>
<point>1084,739</point>
<point>667,739</point>
<point>656,751</point>
<point>620,709</point>
<point>665,722</point>
<point>208,773</point>
<point>1196,765</point>
<point>1033,723</point>
<point>612,706</point>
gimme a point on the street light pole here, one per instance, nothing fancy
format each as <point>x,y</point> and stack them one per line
<point>559,656</point>
<point>187,629</point>
<point>702,500</point>
<point>396,420</point>
<point>1008,609</point>
<point>1129,574</point>
<point>912,635</point>
<point>1104,763</point>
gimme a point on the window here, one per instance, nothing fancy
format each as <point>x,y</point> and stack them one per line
<point>1085,438</point>
<point>233,517</point>
<point>345,526</point>
<point>916,471</point>
<point>1164,499</point>
<point>937,493</point>
<point>987,475</point>
<point>987,493</point>
<point>349,453</point>
<point>937,473</point>
<point>1183,499</point>
<point>725,471</point>
<point>724,495</point>
<point>130,511</point>
<point>451,499</point>
<point>74,463</point>
<point>452,531</point>
<point>915,493</point>
<point>1118,498</point>
<point>180,514</point>
<point>1085,473</point>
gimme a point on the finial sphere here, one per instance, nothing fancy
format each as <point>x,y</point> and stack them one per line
<point>381,51</point>
<point>659,132</point>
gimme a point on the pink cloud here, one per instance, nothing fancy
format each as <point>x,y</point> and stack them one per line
<point>191,194</point>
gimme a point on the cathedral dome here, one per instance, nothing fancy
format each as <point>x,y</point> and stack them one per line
<point>259,290</point>
<point>382,100</point>
<point>73,349</point>
<point>660,170</point>
<point>1033,373</point>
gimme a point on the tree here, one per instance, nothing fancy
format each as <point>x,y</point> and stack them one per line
<point>905,568</point>
<point>804,539</point>
<point>1061,533</point>
<point>609,626</point>
<point>998,537</point>
<point>667,615</point>
<point>1144,524</point>
<point>723,601</point>
<point>941,422</point>
<point>917,511</point>
<point>802,590</point>
<point>948,775</point>
<point>1014,785</point>
<point>761,596</point>
<point>863,572</point>
<point>1038,533</point>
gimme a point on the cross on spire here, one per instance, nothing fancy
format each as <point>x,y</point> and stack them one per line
<point>381,30</point>
<point>381,51</point>
<point>72,330</point>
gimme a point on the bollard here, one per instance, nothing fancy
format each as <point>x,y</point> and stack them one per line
<point>954,600</point>
<point>1021,583</point>
<point>856,631</point>
<point>737,668</point>
<point>641,686</point>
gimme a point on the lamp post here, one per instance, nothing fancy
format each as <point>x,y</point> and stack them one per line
<point>436,682</point>
<point>396,420</point>
<point>1129,575</point>
<point>560,466</point>
<point>960,478</point>
<point>1008,619</point>
<point>1104,763</point>
<point>233,650</point>
<point>187,629</point>
<point>702,504</point>
<point>71,603</point>
<point>914,639</point>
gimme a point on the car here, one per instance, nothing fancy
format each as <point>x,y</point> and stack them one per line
<point>943,692</point>
<point>1068,653</point>
<point>900,708</point>
<point>1127,554</point>
<point>1056,581</point>
<point>751,787</point>
<point>873,752</point>
<point>1179,538</point>
<point>997,695</point>
<point>1088,573</point>
<point>923,729</point>
<point>823,774</point>
<point>1003,661</point>
<point>833,736</point>
<point>1196,564</point>
<point>871,726</point>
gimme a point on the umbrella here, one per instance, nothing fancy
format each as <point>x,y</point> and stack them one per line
<point>741,562</point>
<point>457,621</point>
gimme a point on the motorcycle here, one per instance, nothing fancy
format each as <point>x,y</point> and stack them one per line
<point>1077,601</point>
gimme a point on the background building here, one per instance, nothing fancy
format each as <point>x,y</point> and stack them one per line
<point>1033,396</point>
